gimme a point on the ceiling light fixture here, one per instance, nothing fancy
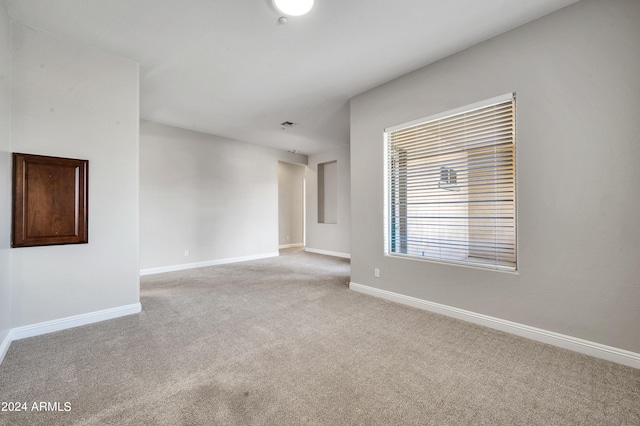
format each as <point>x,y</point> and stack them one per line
<point>293,7</point>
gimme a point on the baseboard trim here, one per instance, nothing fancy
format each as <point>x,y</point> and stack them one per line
<point>173,268</point>
<point>328,253</point>
<point>73,321</point>
<point>4,346</point>
<point>609,353</point>
<point>286,246</point>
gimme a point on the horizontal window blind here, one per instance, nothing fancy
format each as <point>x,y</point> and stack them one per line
<point>451,193</point>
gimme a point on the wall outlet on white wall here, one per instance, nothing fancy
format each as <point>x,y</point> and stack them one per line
<point>186,253</point>
<point>376,273</point>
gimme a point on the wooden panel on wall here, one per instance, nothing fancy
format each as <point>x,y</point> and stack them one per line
<point>50,201</point>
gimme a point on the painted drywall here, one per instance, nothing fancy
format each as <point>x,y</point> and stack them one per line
<point>575,73</point>
<point>328,192</point>
<point>5,173</point>
<point>290,204</point>
<point>330,237</point>
<point>215,197</point>
<point>70,100</point>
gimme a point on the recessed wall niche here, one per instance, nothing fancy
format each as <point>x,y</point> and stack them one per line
<point>328,192</point>
<point>50,201</point>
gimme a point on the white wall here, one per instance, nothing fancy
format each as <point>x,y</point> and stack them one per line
<point>70,100</point>
<point>290,204</point>
<point>330,237</point>
<point>216,197</point>
<point>575,73</point>
<point>5,173</point>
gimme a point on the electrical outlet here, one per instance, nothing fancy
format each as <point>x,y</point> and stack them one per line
<point>376,273</point>
<point>186,253</point>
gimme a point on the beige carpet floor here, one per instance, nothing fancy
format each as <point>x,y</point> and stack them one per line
<point>283,341</point>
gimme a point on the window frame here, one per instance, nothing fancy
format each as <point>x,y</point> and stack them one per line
<point>388,225</point>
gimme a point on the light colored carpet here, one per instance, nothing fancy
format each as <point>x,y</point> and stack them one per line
<point>284,341</point>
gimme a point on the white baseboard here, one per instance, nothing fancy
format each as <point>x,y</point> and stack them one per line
<point>4,346</point>
<point>172,268</point>
<point>328,253</point>
<point>575,344</point>
<point>65,323</point>
<point>285,246</point>
<point>73,321</point>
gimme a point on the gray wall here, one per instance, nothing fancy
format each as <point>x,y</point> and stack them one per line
<point>327,178</point>
<point>575,73</point>
<point>290,204</point>
<point>331,237</point>
<point>70,100</point>
<point>216,197</point>
<point>5,171</point>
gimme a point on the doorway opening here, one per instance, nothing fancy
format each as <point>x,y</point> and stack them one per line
<point>291,205</point>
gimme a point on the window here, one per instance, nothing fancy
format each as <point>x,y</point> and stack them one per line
<point>450,186</point>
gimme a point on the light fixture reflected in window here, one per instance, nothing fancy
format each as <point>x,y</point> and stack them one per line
<point>293,7</point>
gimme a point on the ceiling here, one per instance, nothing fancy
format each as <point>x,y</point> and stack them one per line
<point>227,67</point>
